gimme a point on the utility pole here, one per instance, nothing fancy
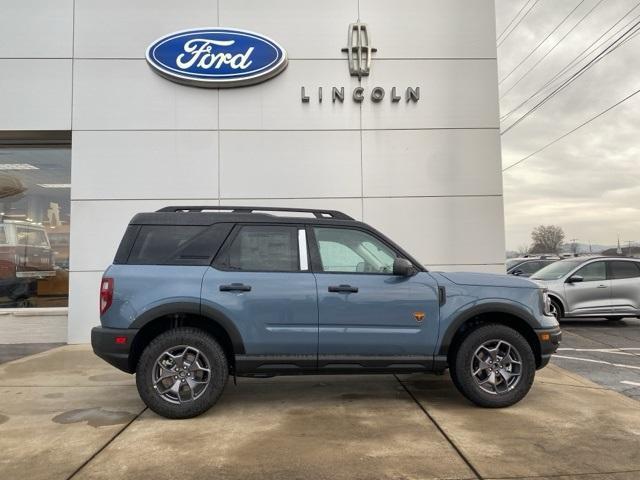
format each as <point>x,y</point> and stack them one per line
<point>574,246</point>
<point>629,242</point>
<point>619,250</point>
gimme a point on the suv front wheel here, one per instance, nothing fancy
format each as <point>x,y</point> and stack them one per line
<point>493,366</point>
<point>181,373</point>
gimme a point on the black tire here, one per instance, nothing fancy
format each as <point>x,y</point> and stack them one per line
<point>208,396</point>
<point>467,384</point>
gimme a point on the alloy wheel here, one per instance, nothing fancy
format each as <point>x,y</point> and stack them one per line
<point>496,367</point>
<point>181,374</point>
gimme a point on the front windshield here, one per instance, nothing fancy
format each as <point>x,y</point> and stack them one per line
<point>31,237</point>
<point>556,270</point>
<point>512,263</point>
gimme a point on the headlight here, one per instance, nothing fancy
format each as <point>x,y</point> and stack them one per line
<point>546,302</point>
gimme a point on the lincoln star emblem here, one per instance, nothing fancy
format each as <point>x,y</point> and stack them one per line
<point>359,50</point>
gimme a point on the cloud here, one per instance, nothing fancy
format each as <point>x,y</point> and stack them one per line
<point>589,182</point>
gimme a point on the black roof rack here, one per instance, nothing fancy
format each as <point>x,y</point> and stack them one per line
<point>317,213</point>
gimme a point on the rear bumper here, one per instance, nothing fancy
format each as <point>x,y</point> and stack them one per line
<point>549,339</point>
<point>113,345</point>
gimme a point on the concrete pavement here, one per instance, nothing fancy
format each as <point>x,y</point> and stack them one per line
<point>65,413</point>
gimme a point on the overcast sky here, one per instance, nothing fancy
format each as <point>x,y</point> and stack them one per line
<point>588,183</point>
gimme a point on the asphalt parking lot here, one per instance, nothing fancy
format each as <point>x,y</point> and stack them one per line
<point>66,414</point>
<point>605,352</point>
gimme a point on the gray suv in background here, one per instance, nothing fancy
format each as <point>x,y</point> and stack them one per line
<point>525,267</point>
<point>592,287</point>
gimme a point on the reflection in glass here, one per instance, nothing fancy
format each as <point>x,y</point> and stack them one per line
<point>34,224</point>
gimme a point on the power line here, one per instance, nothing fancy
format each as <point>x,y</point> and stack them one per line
<point>541,42</point>
<point>512,20</point>
<point>518,23</point>
<point>609,49</point>
<point>551,49</point>
<point>571,131</point>
<point>575,60</point>
<point>579,72</point>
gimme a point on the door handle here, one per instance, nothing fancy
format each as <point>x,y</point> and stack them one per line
<point>235,287</point>
<point>343,289</point>
<point>602,286</point>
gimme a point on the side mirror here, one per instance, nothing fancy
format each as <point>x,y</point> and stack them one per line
<point>575,279</point>
<point>403,267</point>
<point>517,273</point>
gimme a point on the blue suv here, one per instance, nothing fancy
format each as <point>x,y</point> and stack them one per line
<point>198,293</point>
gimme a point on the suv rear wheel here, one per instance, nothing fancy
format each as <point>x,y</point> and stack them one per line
<point>494,366</point>
<point>181,373</point>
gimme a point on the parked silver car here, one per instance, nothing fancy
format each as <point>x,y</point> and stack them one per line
<point>593,287</point>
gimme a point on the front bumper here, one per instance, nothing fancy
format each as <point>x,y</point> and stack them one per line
<point>113,345</point>
<point>549,339</point>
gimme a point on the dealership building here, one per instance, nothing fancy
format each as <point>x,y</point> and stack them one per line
<point>387,111</point>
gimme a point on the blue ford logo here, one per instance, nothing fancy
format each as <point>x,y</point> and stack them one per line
<point>216,57</point>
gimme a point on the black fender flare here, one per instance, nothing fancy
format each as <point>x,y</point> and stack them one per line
<point>488,307</point>
<point>194,308</point>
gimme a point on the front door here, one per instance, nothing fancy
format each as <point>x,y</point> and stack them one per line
<point>591,296</point>
<point>369,317</point>
<point>261,282</point>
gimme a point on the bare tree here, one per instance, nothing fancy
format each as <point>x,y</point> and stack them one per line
<point>547,239</point>
<point>522,249</point>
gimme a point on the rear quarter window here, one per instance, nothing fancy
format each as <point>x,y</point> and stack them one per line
<point>621,270</point>
<point>177,244</point>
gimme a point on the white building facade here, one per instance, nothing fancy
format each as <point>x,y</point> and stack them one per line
<point>426,171</point>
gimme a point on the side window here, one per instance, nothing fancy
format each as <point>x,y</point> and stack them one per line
<point>593,272</point>
<point>345,250</point>
<point>262,248</point>
<point>620,270</point>
<point>530,267</point>
<point>156,244</point>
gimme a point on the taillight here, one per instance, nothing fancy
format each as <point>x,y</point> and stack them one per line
<point>106,294</point>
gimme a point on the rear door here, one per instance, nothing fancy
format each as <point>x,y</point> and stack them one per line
<point>368,316</point>
<point>625,286</point>
<point>592,296</point>
<point>260,281</point>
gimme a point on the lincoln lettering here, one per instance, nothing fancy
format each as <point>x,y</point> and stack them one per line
<point>377,94</point>
<point>201,50</point>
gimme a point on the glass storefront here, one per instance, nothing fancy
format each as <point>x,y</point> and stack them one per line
<point>35,190</point>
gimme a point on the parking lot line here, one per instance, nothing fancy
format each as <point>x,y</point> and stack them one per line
<point>622,365</point>
<point>627,382</point>
<point>614,351</point>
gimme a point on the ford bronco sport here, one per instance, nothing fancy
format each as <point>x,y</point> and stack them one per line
<point>197,293</point>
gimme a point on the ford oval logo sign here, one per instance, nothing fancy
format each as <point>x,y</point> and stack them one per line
<point>216,57</point>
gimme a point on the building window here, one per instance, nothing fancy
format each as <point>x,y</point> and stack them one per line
<point>35,190</point>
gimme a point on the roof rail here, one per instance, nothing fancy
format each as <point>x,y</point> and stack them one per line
<point>334,214</point>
